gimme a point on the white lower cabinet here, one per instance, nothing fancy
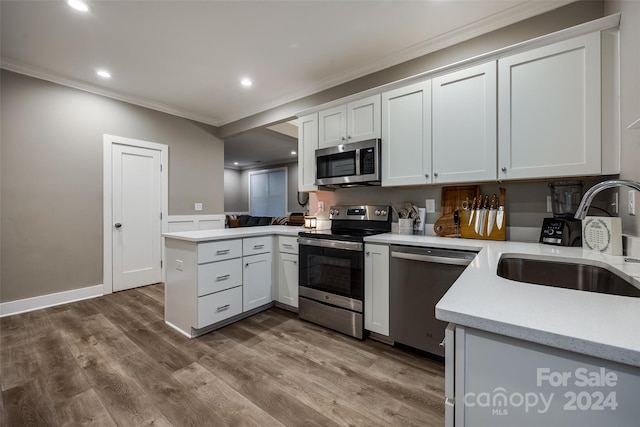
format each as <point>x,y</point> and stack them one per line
<point>376,288</point>
<point>216,307</point>
<point>287,287</point>
<point>256,287</point>
<point>502,381</point>
<point>211,282</point>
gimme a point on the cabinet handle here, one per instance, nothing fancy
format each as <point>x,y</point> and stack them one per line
<point>222,252</point>
<point>225,277</point>
<point>368,253</point>
<point>286,245</point>
<point>343,138</point>
<point>504,169</point>
<point>443,343</point>
<point>295,262</point>
<point>223,308</point>
<point>246,265</point>
<point>435,174</point>
<point>426,175</point>
<point>258,246</point>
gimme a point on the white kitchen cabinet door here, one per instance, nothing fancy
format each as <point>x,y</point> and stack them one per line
<point>406,135</point>
<point>465,125</point>
<point>256,281</point>
<point>549,111</point>
<point>307,146</point>
<point>288,280</point>
<point>332,126</point>
<point>363,119</point>
<point>353,122</point>
<point>376,289</point>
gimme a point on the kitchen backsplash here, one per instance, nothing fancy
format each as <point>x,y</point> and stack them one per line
<point>526,201</point>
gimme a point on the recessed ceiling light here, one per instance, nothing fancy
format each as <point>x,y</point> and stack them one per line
<point>104,74</point>
<point>235,163</point>
<point>293,153</point>
<point>78,5</point>
<point>246,82</point>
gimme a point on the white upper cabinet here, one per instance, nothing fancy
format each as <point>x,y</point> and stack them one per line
<point>464,125</point>
<point>352,122</point>
<point>549,111</point>
<point>406,135</point>
<point>307,146</point>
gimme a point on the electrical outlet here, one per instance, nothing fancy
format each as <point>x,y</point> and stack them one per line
<point>632,202</point>
<point>320,206</point>
<point>549,207</point>
<point>197,207</point>
<point>430,205</point>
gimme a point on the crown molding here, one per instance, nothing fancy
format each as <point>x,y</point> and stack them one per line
<point>20,68</point>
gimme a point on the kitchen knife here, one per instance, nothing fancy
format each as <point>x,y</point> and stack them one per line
<point>478,215</point>
<point>492,215</point>
<point>485,205</point>
<point>473,206</point>
<point>500,215</point>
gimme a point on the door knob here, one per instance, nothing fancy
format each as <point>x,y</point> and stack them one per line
<point>118,225</point>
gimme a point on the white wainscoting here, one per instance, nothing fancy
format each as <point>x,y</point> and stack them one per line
<point>195,222</point>
<point>44,301</point>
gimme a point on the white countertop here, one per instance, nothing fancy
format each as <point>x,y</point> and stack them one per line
<point>600,325</point>
<point>234,233</point>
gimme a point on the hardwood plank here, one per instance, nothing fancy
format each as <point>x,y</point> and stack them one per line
<point>177,404</point>
<point>233,408</point>
<point>124,399</point>
<point>28,404</point>
<point>84,409</point>
<point>269,369</point>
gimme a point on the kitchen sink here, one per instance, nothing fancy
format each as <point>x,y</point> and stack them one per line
<point>566,273</point>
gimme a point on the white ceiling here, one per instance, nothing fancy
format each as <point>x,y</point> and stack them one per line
<point>187,57</point>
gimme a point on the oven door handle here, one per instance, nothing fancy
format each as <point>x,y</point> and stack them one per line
<point>333,244</point>
<point>431,258</point>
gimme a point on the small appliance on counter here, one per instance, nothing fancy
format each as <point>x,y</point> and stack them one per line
<point>563,229</point>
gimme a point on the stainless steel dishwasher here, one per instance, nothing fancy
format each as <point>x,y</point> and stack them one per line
<point>418,278</point>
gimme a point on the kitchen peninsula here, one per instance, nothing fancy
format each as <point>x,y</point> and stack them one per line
<point>216,277</point>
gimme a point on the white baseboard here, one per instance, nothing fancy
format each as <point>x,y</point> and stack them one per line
<point>36,303</point>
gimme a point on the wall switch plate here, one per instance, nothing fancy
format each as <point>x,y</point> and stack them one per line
<point>197,206</point>
<point>549,207</point>
<point>430,205</point>
<point>632,202</point>
<point>179,265</point>
<point>320,206</point>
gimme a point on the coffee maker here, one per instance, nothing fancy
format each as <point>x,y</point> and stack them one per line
<point>563,229</point>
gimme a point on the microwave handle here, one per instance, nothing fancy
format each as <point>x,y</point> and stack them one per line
<point>358,162</point>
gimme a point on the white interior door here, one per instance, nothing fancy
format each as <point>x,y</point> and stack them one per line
<point>136,214</point>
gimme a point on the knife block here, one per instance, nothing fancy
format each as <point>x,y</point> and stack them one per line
<point>468,231</point>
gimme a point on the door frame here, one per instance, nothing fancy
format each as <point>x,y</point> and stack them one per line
<point>108,142</point>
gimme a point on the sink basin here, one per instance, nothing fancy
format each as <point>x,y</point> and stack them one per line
<point>566,273</point>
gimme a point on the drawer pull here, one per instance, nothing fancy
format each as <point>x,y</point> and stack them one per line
<point>222,252</point>
<point>223,308</point>
<point>225,277</point>
<point>258,246</point>
<point>286,245</point>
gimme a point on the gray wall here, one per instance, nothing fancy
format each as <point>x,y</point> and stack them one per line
<point>236,188</point>
<point>51,179</point>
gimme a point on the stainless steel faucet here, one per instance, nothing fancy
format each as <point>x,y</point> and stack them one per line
<point>591,193</point>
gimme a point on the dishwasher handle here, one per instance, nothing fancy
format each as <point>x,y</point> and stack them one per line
<point>431,258</point>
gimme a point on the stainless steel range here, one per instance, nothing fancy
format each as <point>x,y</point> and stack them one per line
<point>331,267</point>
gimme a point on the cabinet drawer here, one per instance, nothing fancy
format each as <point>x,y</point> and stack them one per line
<point>218,276</point>
<point>288,244</point>
<point>216,307</point>
<point>256,245</point>
<point>220,250</point>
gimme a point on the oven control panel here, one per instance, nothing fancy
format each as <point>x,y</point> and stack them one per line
<point>365,212</point>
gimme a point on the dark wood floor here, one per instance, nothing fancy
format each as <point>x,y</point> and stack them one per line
<point>113,361</point>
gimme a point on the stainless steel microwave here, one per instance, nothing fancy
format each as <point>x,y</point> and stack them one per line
<point>347,165</point>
